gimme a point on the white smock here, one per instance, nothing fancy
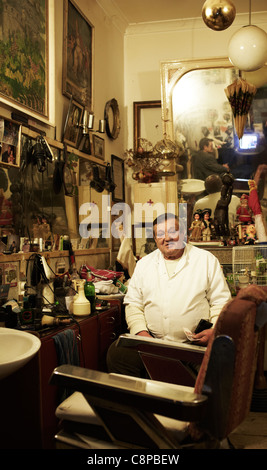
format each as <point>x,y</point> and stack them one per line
<point>164,304</point>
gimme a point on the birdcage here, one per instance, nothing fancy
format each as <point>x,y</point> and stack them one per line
<point>250,265</point>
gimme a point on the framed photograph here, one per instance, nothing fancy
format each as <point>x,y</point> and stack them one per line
<point>85,171</point>
<point>85,144</point>
<point>71,131</point>
<point>147,121</point>
<point>77,55</point>
<point>117,168</point>
<point>10,142</point>
<point>99,147</point>
<point>24,54</point>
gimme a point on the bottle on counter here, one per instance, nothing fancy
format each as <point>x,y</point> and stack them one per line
<point>73,289</point>
<point>89,290</point>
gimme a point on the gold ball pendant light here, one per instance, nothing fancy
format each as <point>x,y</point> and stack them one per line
<point>218,14</point>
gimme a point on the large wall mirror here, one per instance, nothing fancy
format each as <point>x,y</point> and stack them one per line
<point>194,105</point>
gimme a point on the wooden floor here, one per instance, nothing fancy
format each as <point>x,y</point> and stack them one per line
<point>252,433</point>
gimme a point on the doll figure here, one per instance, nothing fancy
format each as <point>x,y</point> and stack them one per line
<point>206,225</point>
<point>195,227</point>
<point>221,216</point>
<point>243,212</point>
<point>250,235</point>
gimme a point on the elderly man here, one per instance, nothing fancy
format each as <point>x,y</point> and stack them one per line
<point>172,288</point>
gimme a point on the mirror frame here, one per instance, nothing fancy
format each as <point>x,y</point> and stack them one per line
<point>173,70</point>
<point>137,108</point>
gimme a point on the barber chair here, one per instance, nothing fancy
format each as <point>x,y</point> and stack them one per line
<point>116,411</point>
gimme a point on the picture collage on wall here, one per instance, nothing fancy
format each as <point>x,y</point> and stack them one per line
<point>10,136</point>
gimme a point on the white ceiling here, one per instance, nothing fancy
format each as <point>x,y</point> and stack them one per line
<point>140,11</point>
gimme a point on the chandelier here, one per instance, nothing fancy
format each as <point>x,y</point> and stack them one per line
<point>149,164</point>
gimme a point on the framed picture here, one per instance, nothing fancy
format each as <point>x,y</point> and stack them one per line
<point>71,131</point>
<point>85,144</point>
<point>85,171</point>
<point>117,166</point>
<point>10,141</point>
<point>99,147</point>
<point>77,55</point>
<point>147,121</point>
<point>24,54</point>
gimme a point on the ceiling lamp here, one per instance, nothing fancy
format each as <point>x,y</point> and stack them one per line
<point>218,14</point>
<point>247,49</point>
<point>257,78</point>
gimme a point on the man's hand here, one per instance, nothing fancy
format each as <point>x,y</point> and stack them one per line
<point>144,333</point>
<point>203,337</point>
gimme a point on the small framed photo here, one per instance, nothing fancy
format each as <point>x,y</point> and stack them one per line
<point>99,147</point>
<point>72,124</point>
<point>85,144</point>
<point>117,168</point>
<point>10,142</point>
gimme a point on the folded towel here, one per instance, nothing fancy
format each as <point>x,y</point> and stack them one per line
<point>106,287</point>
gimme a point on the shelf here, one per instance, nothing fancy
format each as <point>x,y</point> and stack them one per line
<point>50,254</point>
<point>60,145</point>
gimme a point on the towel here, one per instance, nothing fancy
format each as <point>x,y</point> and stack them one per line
<point>67,353</point>
<point>106,287</point>
<point>66,347</point>
<point>126,257</point>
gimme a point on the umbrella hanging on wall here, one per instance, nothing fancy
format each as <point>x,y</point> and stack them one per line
<point>240,95</point>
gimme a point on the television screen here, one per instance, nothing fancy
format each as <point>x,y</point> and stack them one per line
<point>248,142</point>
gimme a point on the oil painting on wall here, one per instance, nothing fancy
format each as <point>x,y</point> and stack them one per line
<point>77,55</point>
<point>23,52</point>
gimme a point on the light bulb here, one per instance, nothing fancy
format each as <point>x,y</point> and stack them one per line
<point>247,49</point>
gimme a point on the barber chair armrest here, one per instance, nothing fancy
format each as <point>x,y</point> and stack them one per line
<point>100,388</point>
<point>173,349</point>
<point>166,361</point>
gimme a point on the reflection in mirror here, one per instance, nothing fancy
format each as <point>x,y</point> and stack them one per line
<point>195,106</point>
<point>200,107</point>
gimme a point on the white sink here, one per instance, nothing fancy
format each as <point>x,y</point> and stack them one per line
<point>16,349</point>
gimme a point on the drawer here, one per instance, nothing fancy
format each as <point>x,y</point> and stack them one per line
<point>110,320</point>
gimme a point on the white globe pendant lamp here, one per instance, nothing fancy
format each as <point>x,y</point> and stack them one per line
<point>257,78</point>
<point>247,49</point>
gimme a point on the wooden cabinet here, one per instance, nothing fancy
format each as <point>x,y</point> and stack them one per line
<point>28,400</point>
<point>153,199</point>
<point>109,330</point>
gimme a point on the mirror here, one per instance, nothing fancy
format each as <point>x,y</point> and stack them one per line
<point>112,118</point>
<point>194,105</point>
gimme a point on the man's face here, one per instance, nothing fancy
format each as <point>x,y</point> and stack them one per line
<point>209,148</point>
<point>168,239</point>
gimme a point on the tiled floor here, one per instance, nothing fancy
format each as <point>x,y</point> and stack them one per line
<point>252,433</point>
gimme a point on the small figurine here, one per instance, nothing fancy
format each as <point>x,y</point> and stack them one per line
<point>243,212</point>
<point>221,219</point>
<point>206,225</point>
<point>250,235</point>
<point>196,226</point>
